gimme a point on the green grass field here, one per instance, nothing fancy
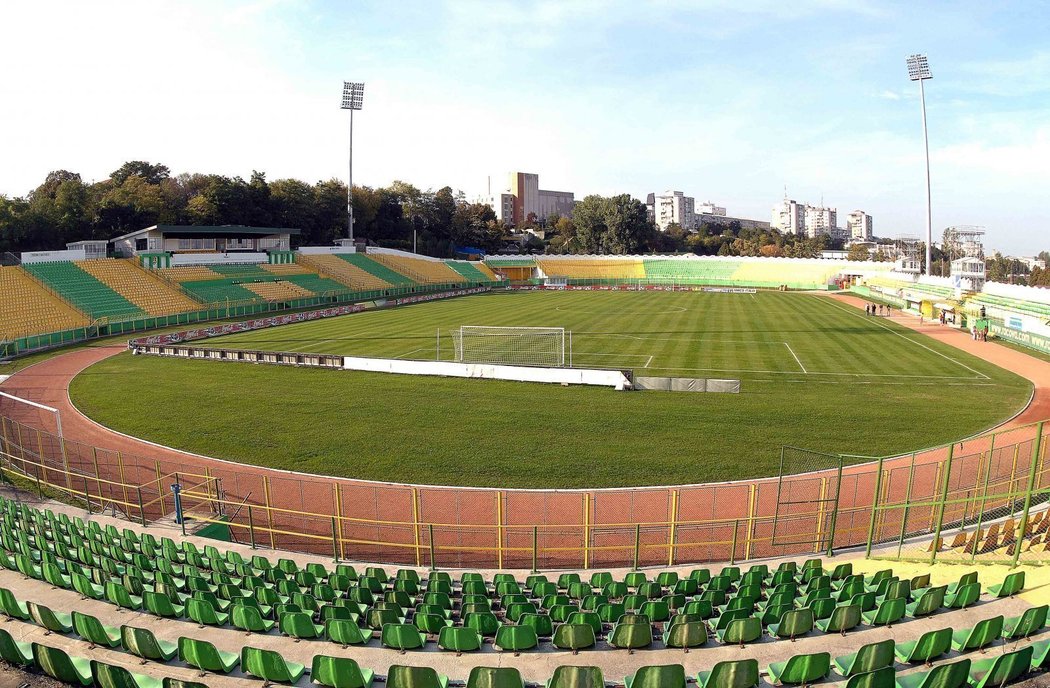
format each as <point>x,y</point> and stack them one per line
<point>815,373</point>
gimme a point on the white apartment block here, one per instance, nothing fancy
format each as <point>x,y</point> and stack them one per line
<point>820,221</point>
<point>789,217</point>
<point>674,207</point>
<point>859,226</point>
<point>709,208</point>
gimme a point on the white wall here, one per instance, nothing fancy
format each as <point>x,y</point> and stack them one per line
<point>51,256</point>
<point>569,376</point>
<point>325,250</point>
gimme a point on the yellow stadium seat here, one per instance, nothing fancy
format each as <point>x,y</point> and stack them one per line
<point>28,308</point>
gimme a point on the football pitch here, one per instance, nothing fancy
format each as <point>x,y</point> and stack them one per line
<point>815,373</point>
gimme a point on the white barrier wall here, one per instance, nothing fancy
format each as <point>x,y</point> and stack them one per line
<point>217,258</point>
<point>565,376</point>
<point>53,256</point>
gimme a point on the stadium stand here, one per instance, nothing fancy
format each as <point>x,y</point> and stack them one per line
<point>188,273</point>
<point>473,271</point>
<point>241,270</point>
<point>84,291</point>
<point>595,268</point>
<point>344,271</point>
<point>420,270</point>
<point>28,308</point>
<point>285,268</point>
<point>372,267</point>
<point>277,290</point>
<point>220,291</point>
<point>801,275</point>
<point>316,283</point>
<point>146,291</point>
<point>691,271</point>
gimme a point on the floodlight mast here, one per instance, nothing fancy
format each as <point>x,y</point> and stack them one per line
<point>353,98</point>
<point>919,70</point>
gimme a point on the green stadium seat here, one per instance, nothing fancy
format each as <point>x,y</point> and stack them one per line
<point>15,652</point>
<point>980,636</point>
<point>490,677</point>
<point>170,682</point>
<point>965,596</point>
<point>925,648</point>
<point>346,632</point>
<point>844,618</point>
<point>741,631</point>
<point>573,636</point>
<point>119,595</point>
<point>685,635</point>
<point>299,625</point>
<point>484,623</point>
<point>886,677</point>
<point>162,605</point>
<point>204,613</point>
<point>205,656</point>
<point>515,638</point>
<point>1032,621</point>
<point>631,632</point>
<point>54,622</point>
<point>1041,655</point>
<point>402,637</point>
<point>458,639</point>
<point>964,580</point>
<point>660,676</point>
<point>801,669</point>
<point>142,642</point>
<point>887,613</point>
<point>60,666</point>
<point>339,672</point>
<point>869,658</point>
<point>430,623</point>
<point>1011,585</point>
<point>793,624</point>
<point>270,665</point>
<point>541,623</point>
<point>576,677</point>
<point>250,619</point>
<point>1002,670</point>
<point>91,629</point>
<point>929,601</point>
<point>111,676</point>
<point>953,674</point>
<point>86,588</point>
<point>414,677</point>
<point>741,673</point>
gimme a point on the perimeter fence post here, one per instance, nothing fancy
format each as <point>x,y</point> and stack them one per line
<point>984,503</point>
<point>936,544</point>
<point>142,511</point>
<point>732,554</point>
<point>335,543</point>
<point>251,526</point>
<point>87,495</point>
<point>637,544</point>
<point>907,506</point>
<point>874,508</point>
<point>835,511</point>
<point>1033,471</point>
<point>433,561</point>
<point>535,529</point>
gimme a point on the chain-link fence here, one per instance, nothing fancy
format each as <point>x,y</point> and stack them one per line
<point>986,497</point>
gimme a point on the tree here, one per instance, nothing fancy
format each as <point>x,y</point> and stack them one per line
<point>150,173</point>
<point>858,252</point>
<point>616,224</point>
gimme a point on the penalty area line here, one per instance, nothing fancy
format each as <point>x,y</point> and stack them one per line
<point>795,356</point>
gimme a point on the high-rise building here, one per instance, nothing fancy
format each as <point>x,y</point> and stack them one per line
<point>859,226</point>
<point>820,220</point>
<point>709,208</point>
<point>530,200</point>
<point>789,217</point>
<point>673,207</point>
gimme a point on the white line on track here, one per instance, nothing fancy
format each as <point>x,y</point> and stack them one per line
<point>979,374</point>
<point>795,356</point>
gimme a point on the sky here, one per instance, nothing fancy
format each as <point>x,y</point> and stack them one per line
<point>729,101</point>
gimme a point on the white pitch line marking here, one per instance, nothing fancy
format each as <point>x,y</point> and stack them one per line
<point>909,339</point>
<point>795,356</point>
<point>648,362</point>
<point>409,353</point>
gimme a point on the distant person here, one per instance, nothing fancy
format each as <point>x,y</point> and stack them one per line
<point>985,333</point>
<point>867,309</point>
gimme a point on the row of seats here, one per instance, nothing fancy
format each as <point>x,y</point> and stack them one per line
<point>583,268</point>
<point>419,270</point>
<point>27,308</point>
<point>189,273</point>
<point>139,287</point>
<point>687,271</point>
<point>219,291</point>
<point>277,290</point>
<point>1000,537</point>
<point>84,291</point>
<point>285,268</point>
<point>473,271</point>
<point>346,272</point>
<point>872,666</point>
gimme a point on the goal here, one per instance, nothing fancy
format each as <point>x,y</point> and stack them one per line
<point>530,346</point>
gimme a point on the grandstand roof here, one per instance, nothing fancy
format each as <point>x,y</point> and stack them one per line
<point>223,230</point>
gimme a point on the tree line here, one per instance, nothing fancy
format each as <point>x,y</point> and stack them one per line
<point>65,208</point>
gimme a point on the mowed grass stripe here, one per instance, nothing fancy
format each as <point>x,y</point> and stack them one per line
<point>496,433</point>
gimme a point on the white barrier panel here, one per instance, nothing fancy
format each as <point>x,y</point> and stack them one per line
<point>565,376</point>
<point>325,250</point>
<point>217,258</point>
<point>53,256</point>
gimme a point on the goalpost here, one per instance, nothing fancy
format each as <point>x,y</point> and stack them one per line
<point>529,346</point>
<point>58,427</point>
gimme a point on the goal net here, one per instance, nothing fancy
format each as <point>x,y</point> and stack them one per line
<point>531,346</point>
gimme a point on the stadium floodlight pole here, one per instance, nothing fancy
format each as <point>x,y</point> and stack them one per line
<point>919,70</point>
<point>353,98</point>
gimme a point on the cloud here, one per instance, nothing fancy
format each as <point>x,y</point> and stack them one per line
<point>889,95</point>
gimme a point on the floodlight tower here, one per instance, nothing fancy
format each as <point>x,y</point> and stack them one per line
<point>919,70</point>
<point>353,98</point>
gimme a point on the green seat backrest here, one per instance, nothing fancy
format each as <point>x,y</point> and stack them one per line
<point>1032,621</point>
<point>805,669</point>
<point>402,637</point>
<point>345,631</point>
<point>516,638</point>
<point>414,677</point>
<point>890,611</point>
<point>661,676</point>
<point>577,677</point>
<point>994,673</point>
<point>931,645</point>
<point>743,631</point>
<point>491,677</point>
<point>879,678</point>
<point>689,634</point>
<point>458,639</point>
<point>57,664</point>
<point>269,665</point>
<point>110,676</point>
<point>795,623</point>
<point>337,672</point>
<point>869,658</point>
<point>984,633</point>
<point>948,675</point>
<point>741,673</point>
<point>573,636</point>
